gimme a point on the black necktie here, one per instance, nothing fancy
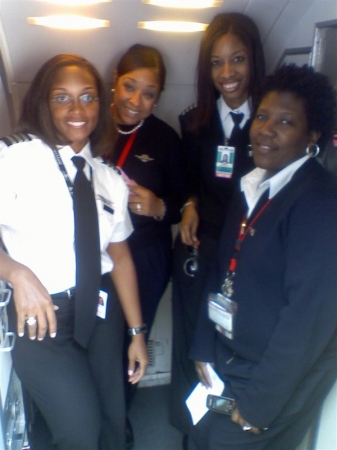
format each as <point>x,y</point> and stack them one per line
<point>87,250</point>
<point>237,119</point>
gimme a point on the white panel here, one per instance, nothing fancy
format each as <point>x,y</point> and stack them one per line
<point>173,101</point>
<point>327,433</point>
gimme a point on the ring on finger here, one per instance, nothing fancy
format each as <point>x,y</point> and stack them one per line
<point>31,321</point>
<point>138,206</point>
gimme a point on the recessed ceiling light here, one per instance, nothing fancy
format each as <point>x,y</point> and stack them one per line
<point>173,26</point>
<point>75,2</point>
<point>193,4</point>
<point>69,22</point>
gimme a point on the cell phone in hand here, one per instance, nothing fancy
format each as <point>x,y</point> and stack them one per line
<point>220,404</point>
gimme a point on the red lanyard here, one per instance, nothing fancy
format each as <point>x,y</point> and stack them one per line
<point>126,149</point>
<point>243,233</point>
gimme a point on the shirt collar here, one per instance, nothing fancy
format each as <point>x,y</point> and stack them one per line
<point>224,109</point>
<point>226,120</point>
<point>67,152</point>
<point>253,184</point>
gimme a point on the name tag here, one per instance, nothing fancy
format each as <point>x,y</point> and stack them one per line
<point>102,304</point>
<point>224,161</point>
<point>222,310</point>
<point>108,209</point>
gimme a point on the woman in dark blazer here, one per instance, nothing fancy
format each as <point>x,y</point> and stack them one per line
<point>276,269</point>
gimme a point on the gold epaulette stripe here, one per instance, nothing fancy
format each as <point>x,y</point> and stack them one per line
<point>16,138</point>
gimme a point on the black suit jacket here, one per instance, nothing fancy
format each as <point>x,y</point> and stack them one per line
<point>200,148</point>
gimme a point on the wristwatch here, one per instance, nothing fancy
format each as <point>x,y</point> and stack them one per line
<point>138,330</point>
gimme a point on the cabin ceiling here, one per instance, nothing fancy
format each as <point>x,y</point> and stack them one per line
<point>29,46</point>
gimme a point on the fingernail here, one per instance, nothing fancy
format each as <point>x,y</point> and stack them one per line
<point>32,338</point>
<point>52,335</point>
<point>21,334</point>
<point>130,372</point>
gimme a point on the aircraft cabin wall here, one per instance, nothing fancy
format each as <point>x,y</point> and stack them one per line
<point>284,24</point>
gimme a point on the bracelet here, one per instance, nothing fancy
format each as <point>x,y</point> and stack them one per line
<point>162,215</point>
<point>138,330</point>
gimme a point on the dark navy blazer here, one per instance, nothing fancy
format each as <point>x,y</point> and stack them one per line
<point>284,344</point>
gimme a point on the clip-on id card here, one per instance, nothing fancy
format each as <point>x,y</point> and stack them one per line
<point>222,310</point>
<point>224,161</point>
<point>102,304</point>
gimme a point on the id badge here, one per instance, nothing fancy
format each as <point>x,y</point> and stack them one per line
<point>222,310</point>
<point>224,161</point>
<point>102,304</point>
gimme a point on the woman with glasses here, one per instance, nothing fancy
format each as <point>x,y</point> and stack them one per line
<point>68,354</point>
<point>230,67</point>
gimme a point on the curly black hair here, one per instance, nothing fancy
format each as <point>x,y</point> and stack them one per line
<point>313,89</point>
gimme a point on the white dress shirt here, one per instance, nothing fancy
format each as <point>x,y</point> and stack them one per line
<point>254,184</point>
<point>36,210</point>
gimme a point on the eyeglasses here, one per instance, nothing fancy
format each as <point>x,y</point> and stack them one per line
<point>191,264</point>
<point>66,99</point>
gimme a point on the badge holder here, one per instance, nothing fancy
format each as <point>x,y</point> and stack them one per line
<point>224,161</point>
<point>222,311</point>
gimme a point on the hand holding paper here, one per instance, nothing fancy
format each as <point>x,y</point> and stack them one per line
<point>196,402</point>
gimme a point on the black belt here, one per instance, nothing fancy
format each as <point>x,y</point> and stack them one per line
<point>69,294</point>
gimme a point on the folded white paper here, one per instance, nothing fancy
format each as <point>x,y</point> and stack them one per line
<point>196,402</point>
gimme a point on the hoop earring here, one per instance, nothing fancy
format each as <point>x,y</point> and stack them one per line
<point>314,153</point>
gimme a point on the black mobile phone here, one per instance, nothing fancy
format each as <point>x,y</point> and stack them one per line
<point>219,404</point>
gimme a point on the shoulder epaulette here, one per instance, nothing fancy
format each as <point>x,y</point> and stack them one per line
<point>16,138</point>
<point>189,108</point>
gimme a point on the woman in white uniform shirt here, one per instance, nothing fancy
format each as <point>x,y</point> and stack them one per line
<point>76,383</point>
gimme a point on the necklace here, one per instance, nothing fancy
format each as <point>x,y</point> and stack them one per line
<point>131,131</point>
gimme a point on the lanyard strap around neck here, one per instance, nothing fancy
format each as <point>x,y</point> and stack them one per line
<point>227,287</point>
<point>244,229</point>
<point>65,173</point>
<point>126,149</point>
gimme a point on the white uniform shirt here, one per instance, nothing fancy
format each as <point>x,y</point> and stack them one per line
<point>36,210</point>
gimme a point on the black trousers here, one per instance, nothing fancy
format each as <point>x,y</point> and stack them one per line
<point>187,293</point>
<point>78,391</point>
<point>217,431</point>
<point>153,267</point>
